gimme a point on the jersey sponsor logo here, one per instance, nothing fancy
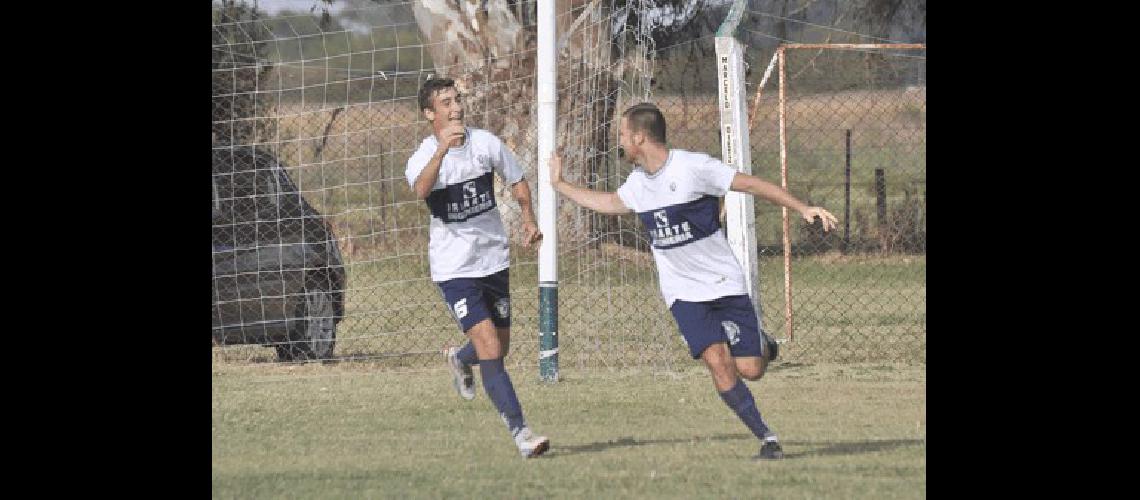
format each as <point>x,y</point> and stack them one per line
<point>462,201</point>
<point>681,224</point>
<point>666,234</point>
<point>473,203</point>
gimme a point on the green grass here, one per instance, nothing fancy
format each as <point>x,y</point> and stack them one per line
<point>352,430</point>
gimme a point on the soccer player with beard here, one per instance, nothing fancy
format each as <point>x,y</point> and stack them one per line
<point>676,195</point>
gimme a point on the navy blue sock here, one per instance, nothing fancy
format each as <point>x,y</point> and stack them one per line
<point>739,398</point>
<point>467,355</point>
<point>497,384</point>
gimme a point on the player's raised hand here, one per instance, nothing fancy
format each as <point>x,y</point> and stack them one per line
<point>452,135</point>
<point>531,234</point>
<point>556,168</point>
<point>829,221</point>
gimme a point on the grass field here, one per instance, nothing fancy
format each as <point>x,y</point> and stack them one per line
<point>352,430</point>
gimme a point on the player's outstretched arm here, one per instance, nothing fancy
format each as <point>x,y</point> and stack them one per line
<point>598,201</point>
<point>756,186</point>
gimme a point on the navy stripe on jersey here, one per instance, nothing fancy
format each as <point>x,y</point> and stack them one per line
<point>464,200</point>
<point>681,224</point>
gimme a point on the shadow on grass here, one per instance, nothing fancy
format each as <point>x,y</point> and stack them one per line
<point>394,359</point>
<point>792,449</point>
<point>629,442</point>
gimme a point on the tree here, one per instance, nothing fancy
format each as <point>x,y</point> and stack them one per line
<point>239,65</point>
<point>488,47</point>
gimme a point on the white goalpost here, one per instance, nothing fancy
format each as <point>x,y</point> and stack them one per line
<point>546,76</point>
<point>740,214</point>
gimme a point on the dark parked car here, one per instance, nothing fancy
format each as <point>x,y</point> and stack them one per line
<point>279,278</point>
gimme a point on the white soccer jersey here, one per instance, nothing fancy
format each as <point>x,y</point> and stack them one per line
<point>467,239</point>
<point>679,207</point>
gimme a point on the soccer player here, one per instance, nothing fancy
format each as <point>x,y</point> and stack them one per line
<point>675,194</point>
<point>467,249</point>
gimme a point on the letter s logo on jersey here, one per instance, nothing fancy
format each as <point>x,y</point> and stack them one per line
<point>661,218</point>
<point>469,190</point>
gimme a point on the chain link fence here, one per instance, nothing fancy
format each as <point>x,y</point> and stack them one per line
<point>315,117</point>
<point>854,141</point>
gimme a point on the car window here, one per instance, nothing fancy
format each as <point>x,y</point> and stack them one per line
<point>257,203</point>
<point>268,203</point>
<point>246,197</point>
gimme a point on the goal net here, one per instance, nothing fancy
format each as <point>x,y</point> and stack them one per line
<point>320,247</point>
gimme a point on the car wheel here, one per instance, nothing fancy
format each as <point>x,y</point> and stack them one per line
<point>314,336</point>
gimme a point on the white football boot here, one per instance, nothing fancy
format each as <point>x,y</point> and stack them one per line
<point>461,376</point>
<point>531,446</point>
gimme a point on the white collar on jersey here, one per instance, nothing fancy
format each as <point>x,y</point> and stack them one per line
<point>654,175</point>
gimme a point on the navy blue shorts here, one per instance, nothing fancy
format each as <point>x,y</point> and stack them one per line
<point>472,300</point>
<point>731,320</point>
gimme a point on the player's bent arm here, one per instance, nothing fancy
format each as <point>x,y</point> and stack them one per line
<point>756,186</point>
<point>598,201</point>
<point>521,192</point>
<point>430,174</point>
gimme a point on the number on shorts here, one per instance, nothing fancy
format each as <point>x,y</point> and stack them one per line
<point>461,308</point>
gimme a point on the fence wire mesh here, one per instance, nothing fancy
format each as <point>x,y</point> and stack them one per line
<point>315,117</point>
<point>855,142</point>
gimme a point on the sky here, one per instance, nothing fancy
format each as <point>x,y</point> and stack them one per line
<point>272,7</point>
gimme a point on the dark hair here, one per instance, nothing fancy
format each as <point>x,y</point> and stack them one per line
<point>645,117</point>
<point>429,89</point>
